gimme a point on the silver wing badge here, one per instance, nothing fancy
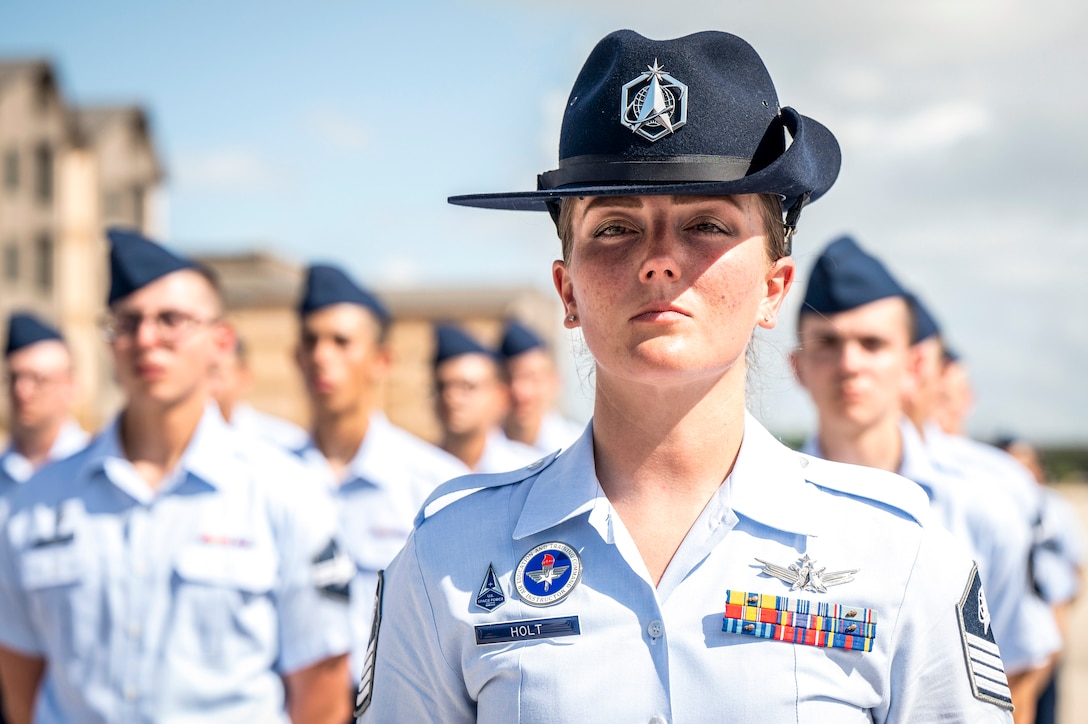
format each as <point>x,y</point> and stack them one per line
<point>804,576</point>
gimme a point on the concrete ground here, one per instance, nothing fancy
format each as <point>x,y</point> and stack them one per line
<point>1074,682</point>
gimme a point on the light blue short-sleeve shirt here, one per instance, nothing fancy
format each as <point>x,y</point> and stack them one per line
<point>185,604</point>
<point>998,539</point>
<point>522,598</point>
<point>501,454</point>
<point>387,481</point>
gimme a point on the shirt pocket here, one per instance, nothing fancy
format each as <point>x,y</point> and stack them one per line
<point>60,604</point>
<point>224,604</point>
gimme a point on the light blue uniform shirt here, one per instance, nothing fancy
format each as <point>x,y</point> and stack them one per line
<point>556,433</point>
<point>501,454</point>
<point>276,430</point>
<point>15,469</point>
<point>182,605</point>
<point>1000,542</point>
<point>387,481</point>
<point>1059,559</point>
<point>1012,480</point>
<point>636,652</point>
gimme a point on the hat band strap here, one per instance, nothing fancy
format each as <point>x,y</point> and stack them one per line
<point>603,169</point>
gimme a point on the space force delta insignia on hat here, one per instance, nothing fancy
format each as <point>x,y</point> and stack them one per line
<point>654,104</point>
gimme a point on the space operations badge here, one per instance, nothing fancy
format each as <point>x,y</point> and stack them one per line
<point>547,574</point>
<point>984,667</point>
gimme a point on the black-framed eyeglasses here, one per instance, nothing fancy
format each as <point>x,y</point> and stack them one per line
<point>170,325</point>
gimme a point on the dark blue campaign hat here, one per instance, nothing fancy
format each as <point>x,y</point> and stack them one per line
<point>518,339</point>
<point>327,285</point>
<point>25,329</point>
<point>846,277</point>
<point>451,341</point>
<point>925,325</point>
<point>136,261</point>
<point>694,115</point>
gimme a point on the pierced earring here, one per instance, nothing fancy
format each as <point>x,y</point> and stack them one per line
<point>766,318</point>
<point>572,318</point>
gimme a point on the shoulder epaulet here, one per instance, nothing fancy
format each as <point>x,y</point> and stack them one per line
<point>879,486</point>
<point>453,490</point>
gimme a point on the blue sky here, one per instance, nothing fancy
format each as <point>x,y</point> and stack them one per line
<point>335,130</point>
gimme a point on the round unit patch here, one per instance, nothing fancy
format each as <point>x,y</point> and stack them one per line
<point>547,573</point>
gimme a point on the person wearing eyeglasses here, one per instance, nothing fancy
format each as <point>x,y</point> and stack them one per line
<point>175,569</point>
<point>471,400</point>
<point>41,395</point>
<point>534,386</point>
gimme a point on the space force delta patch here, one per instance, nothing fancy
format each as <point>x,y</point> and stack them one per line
<point>984,667</point>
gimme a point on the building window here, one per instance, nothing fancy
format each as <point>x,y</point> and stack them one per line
<point>11,169</point>
<point>44,162</point>
<point>11,261</point>
<point>44,262</point>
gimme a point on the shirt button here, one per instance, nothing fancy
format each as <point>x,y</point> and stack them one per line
<point>535,464</point>
<point>131,694</point>
<point>656,629</point>
<point>134,630</point>
<point>658,719</point>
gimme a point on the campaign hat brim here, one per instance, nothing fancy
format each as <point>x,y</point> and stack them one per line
<point>809,165</point>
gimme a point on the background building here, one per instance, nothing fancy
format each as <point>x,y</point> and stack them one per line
<point>262,292</point>
<point>65,173</point>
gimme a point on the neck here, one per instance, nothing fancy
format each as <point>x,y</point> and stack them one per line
<point>669,442</point>
<point>339,435</point>
<point>467,447</point>
<point>662,452</point>
<point>878,445</point>
<point>525,431</point>
<point>35,444</point>
<point>155,436</point>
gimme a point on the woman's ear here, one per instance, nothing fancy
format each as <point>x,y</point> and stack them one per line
<point>563,286</point>
<point>779,280</point>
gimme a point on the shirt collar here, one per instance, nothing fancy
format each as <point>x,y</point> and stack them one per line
<point>365,465</point>
<point>70,439</point>
<point>767,484</point>
<point>210,457</point>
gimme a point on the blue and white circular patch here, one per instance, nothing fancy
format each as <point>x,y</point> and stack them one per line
<point>547,573</point>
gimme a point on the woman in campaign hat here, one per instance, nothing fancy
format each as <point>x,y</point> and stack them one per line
<point>677,563</point>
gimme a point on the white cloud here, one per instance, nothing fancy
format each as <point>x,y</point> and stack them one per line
<point>926,131</point>
<point>227,169</point>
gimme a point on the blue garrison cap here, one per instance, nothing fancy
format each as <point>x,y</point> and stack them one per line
<point>846,277</point>
<point>925,326</point>
<point>451,341</point>
<point>136,261</point>
<point>25,329</point>
<point>518,339</point>
<point>327,285</point>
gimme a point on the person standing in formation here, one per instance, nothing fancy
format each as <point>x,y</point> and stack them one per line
<point>379,474</point>
<point>857,357</point>
<point>41,396</point>
<point>232,379</point>
<point>175,569</point>
<point>677,563</point>
<point>534,387</point>
<point>471,401</point>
